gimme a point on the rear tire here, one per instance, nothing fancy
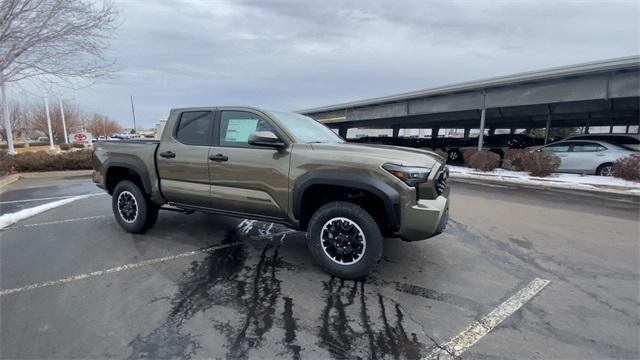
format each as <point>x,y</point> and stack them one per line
<point>133,210</point>
<point>605,169</point>
<point>455,155</point>
<point>345,240</point>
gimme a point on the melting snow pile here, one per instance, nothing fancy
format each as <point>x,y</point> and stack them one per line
<point>567,181</point>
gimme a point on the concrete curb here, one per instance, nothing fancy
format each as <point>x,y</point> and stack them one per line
<point>6,180</point>
<point>552,185</point>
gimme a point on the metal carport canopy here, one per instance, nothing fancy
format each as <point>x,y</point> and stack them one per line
<point>596,93</point>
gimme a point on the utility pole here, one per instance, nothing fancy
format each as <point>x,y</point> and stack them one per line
<point>7,122</point>
<point>133,113</point>
<point>64,125</point>
<point>46,108</point>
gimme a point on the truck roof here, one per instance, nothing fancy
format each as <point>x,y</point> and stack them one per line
<point>201,108</point>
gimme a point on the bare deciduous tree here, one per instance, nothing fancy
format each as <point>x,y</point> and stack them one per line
<point>54,41</point>
<point>19,119</point>
<point>100,125</point>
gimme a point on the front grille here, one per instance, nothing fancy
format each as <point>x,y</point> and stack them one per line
<point>441,181</point>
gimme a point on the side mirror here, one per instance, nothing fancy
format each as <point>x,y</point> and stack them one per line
<point>266,139</point>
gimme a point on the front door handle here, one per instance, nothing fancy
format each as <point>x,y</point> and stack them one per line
<point>168,154</point>
<point>218,158</point>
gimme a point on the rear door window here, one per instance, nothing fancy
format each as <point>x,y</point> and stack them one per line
<point>194,128</point>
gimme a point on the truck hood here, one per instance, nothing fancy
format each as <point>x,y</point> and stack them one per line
<point>384,153</point>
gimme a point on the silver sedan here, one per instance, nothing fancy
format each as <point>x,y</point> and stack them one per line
<point>588,157</point>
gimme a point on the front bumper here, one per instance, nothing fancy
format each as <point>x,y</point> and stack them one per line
<point>425,218</point>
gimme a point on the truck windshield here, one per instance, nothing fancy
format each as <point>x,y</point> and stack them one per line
<point>305,129</point>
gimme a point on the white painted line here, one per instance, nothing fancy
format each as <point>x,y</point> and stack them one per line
<point>49,198</point>
<point>116,269</point>
<point>57,222</point>
<point>477,330</point>
<point>12,218</point>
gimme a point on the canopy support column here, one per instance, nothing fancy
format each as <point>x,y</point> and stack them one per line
<point>546,129</point>
<point>396,130</point>
<point>434,132</point>
<point>481,135</point>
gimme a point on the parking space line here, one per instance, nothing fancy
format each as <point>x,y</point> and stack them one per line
<point>116,269</point>
<point>57,222</point>
<point>12,218</point>
<point>477,330</point>
<point>48,198</point>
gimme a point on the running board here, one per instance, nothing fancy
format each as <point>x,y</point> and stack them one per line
<point>176,209</point>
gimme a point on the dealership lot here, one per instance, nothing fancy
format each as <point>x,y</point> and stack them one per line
<point>75,285</point>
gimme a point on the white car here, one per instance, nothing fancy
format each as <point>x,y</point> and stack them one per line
<point>628,140</point>
<point>588,157</point>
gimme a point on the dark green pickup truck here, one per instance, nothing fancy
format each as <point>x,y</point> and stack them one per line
<point>279,167</point>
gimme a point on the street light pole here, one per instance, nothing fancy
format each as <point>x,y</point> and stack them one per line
<point>84,130</point>
<point>64,125</point>
<point>5,109</point>
<point>46,108</point>
<point>133,113</point>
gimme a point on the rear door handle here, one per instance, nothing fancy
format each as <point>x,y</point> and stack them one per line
<point>168,154</point>
<point>218,158</point>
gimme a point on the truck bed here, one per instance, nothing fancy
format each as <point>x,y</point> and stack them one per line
<point>139,155</point>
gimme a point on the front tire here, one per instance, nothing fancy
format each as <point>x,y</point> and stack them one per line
<point>345,240</point>
<point>605,170</point>
<point>132,209</point>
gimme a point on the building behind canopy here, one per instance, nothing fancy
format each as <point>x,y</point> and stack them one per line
<point>602,93</point>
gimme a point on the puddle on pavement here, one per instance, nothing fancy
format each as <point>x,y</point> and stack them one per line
<point>252,312</point>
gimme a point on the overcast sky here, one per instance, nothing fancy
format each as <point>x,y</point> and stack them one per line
<point>300,54</point>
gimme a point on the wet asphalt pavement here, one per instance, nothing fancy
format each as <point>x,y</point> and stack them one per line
<point>263,297</point>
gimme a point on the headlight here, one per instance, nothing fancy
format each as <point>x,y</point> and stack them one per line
<point>409,174</point>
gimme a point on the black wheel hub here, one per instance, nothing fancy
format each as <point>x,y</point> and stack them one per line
<point>127,206</point>
<point>343,241</point>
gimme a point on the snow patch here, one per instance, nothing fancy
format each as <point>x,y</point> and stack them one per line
<point>246,225</point>
<point>12,218</point>
<point>567,181</point>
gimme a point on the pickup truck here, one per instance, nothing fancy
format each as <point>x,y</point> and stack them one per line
<point>279,167</point>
